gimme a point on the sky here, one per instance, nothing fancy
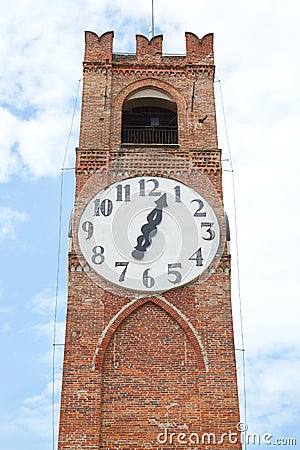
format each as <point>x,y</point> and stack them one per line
<point>257,67</point>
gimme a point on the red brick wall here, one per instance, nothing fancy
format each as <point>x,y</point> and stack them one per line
<point>132,365</point>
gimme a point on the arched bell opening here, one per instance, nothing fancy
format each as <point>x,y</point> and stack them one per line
<point>149,117</point>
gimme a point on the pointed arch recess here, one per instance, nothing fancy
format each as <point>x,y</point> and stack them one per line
<point>169,309</point>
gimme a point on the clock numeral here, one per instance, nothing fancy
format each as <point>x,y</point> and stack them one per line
<point>153,192</point>
<point>105,207</point>
<point>122,264</point>
<point>199,212</point>
<point>197,256</point>
<point>88,227</point>
<point>176,273</point>
<point>142,187</point>
<point>98,257</point>
<point>177,194</point>
<point>211,232</point>
<point>126,189</point>
<point>148,281</point>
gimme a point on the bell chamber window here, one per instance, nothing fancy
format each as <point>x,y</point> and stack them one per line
<point>149,117</point>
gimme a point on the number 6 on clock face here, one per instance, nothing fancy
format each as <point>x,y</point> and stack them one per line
<point>149,234</point>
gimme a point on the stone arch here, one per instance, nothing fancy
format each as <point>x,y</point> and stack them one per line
<point>162,86</point>
<point>119,318</point>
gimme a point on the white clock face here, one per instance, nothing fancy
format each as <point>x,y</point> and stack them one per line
<point>149,234</point>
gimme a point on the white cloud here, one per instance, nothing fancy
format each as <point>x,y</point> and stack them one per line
<point>44,331</point>
<point>37,91</point>
<point>5,309</point>
<point>9,220</point>
<point>273,394</point>
<point>5,327</point>
<point>30,417</point>
<point>34,415</point>
<point>9,158</point>
<point>44,302</point>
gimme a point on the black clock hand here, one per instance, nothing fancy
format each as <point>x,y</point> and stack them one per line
<point>150,228</point>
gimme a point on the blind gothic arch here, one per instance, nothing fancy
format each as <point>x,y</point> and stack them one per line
<point>169,309</point>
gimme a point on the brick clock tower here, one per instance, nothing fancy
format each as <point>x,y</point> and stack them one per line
<point>149,358</point>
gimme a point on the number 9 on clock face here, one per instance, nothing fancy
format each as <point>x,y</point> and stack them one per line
<point>149,234</point>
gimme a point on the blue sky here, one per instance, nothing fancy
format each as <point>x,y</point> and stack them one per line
<point>256,53</point>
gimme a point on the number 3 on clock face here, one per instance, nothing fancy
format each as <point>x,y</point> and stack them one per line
<point>149,234</point>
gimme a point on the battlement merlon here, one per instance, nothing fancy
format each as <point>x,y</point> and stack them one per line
<point>148,49</point>
<point>199,51</point>
<point>99,49</point>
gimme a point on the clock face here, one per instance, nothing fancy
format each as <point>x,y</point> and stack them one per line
<point>149,234</point>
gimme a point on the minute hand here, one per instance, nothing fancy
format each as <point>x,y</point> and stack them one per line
<point>150,228</point>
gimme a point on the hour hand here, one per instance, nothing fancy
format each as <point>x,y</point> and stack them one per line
<point>149,229</point>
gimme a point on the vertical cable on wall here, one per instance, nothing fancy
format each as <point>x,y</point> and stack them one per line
<point>238,268</point>
<point>60,207</point>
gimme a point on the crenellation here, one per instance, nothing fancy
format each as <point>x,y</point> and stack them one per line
<point>100,49</point>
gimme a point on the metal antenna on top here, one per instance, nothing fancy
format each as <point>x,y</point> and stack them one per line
<point>152,20</point>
